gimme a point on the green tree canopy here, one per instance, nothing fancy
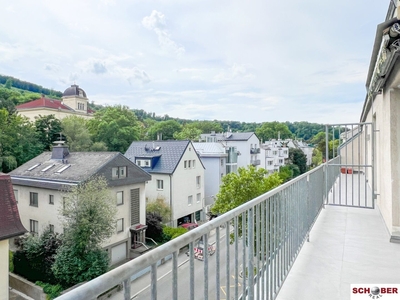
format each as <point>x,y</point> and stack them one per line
<point>88,215</point>
<point>238,188</point>
<point>77,134</point>
<point>161,208</point>
<point>116,126</point>
<point>189,132</point>
<point>49,129</point>
<point>166,129</point>
<point>298,158</point>
<point>18,141</point>
<point>271,130</point>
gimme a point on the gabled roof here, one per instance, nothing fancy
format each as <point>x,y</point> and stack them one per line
<point>45,103</point>
<point>10,222</point>
<point>45,172</point>
<point>169,153</point>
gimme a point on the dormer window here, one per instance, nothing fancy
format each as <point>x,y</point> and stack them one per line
<point>118,172</point>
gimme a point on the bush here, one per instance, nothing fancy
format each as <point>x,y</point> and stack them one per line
<point>169,233</point>
<point>72,267</point>
<point>11,261</point>
<point>52,291</point>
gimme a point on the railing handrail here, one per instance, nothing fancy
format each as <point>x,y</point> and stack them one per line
<point>116,276</point>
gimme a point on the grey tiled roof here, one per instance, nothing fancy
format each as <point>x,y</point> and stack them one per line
<point>170,153</point>
<point>79,166</point>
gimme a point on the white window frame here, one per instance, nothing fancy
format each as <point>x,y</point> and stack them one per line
<point>120,197</point>
<point>120,225</point>
<point>32,199</point>
<point>160,184</point>
<point>34,226</point>
<point>190,200</point>
<point>51,199</point>
<point>198,182</point>
<point>198,197</point>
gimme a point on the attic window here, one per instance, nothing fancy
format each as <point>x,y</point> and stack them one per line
<point>48,167</point>
<point>157,148</point>
<point>34,166</point>
<point>63,169</point>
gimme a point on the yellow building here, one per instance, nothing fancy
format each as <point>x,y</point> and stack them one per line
<point>74,102</point>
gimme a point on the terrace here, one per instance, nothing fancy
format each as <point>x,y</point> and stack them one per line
<point>310,238</point>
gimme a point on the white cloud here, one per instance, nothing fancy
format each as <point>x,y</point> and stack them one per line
<point>156,22</point>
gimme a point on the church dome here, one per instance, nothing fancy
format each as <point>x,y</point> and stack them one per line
<point>74,90</point>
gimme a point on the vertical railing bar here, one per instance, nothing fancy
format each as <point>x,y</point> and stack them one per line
<point>250,230</point>
<point>326,162</point>
<point>191,269</point>
<point>153,284</point>
<point>268,248</point>
<point>366,159</point>
<point>263,240</point>
<point>127,288</point>
<point>218,264</point>
<point>244,258</point>
<point>228,259</point>
<point>205,256</point>
<point>372,164</point>
<point>352,168</point>
<point>175,275</point>
<point>257,246</point>
<point>236,257</point>
<point>360,163</point>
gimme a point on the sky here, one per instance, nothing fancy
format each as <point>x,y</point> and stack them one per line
<point>248,61</point>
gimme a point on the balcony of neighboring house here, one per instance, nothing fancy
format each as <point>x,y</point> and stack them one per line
<point>255,162</point>
<point>254,150</point>
<point>310,238</point>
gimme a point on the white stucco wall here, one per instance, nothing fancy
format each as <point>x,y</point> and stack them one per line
<point>212,176</point>
<point>4,269</point>
<point>184,185</point>
<point>47,213</point>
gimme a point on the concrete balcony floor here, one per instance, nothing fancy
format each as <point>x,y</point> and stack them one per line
<point>347,246</point>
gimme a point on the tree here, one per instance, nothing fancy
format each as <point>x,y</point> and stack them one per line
<point>160,208</point>
<point>164,129</point>
<point>18,141</point>
<point>298,158</point>
<point>115,126</point>
<point>285,173</point>
<point>88,216</point>
<point>77,134</point>
<point>238,188</point>
<point>49,129</point>
<point>8,84</point>
<point>189,132</point>
<point>273,130</point>
<point>154,226</point>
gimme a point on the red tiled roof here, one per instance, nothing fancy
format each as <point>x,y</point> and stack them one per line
<point>10,222</point>
<point>44,102</point>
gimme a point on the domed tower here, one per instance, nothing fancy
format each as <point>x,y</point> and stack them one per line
<point>75,97</point>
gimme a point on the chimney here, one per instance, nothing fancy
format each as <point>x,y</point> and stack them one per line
<point>60,151</point>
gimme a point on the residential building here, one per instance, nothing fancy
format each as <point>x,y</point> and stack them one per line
<point>275,153</point>
<point>41,183</point>
<point>177,176</point>
<point>214,157</point>
<point>245,144</point>
<point>10,227</point>
<point>74,103</point>
<point>382,109</point>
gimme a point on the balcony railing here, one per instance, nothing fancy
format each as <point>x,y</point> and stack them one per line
<point>255,246</point>
<point>254,150</point>
<point>255,162</point>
